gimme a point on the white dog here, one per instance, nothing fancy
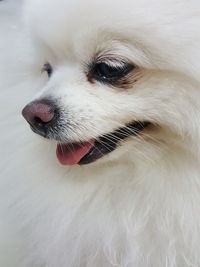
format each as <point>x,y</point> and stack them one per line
<point>115,178</point>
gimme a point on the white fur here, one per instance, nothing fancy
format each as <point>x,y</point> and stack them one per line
<point>138,206</point>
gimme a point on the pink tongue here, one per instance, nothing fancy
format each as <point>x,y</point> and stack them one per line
<point>72,154</point>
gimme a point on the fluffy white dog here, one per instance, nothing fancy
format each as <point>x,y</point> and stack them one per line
<point>115,178</point>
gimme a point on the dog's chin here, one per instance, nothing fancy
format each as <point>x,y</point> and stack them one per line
<point>92,150</point>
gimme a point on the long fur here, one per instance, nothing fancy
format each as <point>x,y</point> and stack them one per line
<point>138,206</point>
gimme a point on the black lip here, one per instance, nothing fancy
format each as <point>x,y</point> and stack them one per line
<point>109,142</point>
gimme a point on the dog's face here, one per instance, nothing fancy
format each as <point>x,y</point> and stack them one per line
<point>115,74</point>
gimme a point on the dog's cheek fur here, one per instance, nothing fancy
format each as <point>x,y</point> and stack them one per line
<point>140,208</point>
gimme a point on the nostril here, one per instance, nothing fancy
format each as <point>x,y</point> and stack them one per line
<point>38,120</point>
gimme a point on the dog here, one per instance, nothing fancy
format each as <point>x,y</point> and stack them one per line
<point>108,173</point>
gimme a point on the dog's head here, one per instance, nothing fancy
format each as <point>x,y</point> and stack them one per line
<point>117,75</point>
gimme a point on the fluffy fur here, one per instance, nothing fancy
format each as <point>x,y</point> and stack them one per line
<point>138,206</point>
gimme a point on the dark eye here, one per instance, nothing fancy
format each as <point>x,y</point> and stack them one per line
<point>48,69</point>
<point>110,74</point>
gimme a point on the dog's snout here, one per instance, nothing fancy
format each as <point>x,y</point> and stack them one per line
<point>39,114</point>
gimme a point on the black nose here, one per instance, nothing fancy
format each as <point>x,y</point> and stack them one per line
<point>39,114</point>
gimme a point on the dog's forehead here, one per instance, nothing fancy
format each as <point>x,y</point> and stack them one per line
<point>158,25</point>
<point>65,19</point>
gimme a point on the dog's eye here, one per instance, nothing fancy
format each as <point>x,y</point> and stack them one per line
<point>48,69</point>
<point>110,74</point>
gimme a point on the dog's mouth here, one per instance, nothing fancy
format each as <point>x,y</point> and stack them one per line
<point>92,150</point>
